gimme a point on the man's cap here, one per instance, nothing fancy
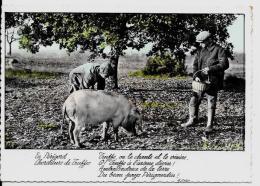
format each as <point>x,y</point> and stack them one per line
<point>202,36</point>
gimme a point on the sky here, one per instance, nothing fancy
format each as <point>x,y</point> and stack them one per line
<point>236,32</point>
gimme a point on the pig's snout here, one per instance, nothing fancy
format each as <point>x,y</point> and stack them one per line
<point>131,132</point>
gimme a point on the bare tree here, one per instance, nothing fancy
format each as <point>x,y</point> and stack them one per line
<point>10,38</point>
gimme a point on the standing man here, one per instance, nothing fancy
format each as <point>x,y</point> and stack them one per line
<point>209,64</point>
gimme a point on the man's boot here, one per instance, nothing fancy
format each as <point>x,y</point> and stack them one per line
<point>193,117</point>
<point>211,114</point>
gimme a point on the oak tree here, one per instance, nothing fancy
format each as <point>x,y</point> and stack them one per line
<point>95,32</point>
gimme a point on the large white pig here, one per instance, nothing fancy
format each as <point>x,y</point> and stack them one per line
<point>88,107</point>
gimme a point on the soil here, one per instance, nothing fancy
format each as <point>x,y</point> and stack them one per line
<point>33,116</point>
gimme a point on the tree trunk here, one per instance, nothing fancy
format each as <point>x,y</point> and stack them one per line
<point>114,64</point>
<point>10,49</point>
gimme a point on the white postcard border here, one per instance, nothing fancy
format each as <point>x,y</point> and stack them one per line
<point>17,165</point>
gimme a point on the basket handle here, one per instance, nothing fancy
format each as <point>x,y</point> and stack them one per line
<point>200,71</point>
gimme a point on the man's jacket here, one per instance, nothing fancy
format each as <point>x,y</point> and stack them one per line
<point>214,57</point>
<point>85,76</point>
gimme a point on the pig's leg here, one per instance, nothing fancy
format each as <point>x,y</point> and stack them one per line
<point>134,131</point>
<point>76,132</point>
<point>116,123</point>
<point>71,128</point>
<point>116,133</point>
<point>105,129</point>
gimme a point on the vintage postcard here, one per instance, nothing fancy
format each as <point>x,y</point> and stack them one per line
<point>114,92</point>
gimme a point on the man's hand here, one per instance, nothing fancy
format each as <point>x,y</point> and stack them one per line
<point>205,70</point>
<point>197,79</point>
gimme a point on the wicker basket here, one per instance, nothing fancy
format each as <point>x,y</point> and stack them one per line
<point>198,86</point>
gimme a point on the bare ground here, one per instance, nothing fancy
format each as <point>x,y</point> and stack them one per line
<point>33,116</point>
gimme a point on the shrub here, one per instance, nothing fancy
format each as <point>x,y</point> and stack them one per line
<point>231,82</point>
<point>164,64</point>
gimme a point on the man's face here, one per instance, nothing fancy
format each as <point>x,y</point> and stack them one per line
<point>205,43</point>
<point>202,44</point>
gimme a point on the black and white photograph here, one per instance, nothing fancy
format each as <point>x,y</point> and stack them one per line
<point>120,93</point>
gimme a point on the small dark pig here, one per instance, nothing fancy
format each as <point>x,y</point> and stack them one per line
<point>88,107</point>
